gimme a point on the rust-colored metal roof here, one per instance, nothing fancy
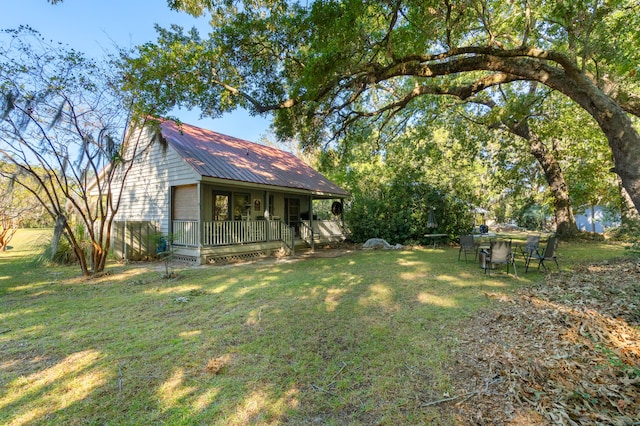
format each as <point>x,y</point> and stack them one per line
<point>220,156</point>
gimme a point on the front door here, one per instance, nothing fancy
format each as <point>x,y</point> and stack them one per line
<point>292,213</point>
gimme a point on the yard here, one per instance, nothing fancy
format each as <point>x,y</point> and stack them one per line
<point>353,337</point>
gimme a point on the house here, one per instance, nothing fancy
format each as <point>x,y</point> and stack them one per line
<point>595,219</point>
<point>220,198</point>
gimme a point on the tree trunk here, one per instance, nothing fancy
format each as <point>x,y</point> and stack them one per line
<point>61,222</point>
<point>565,220</point>
<point>98,258</point>
<point>624,141</point>
<point>628,212</point>
<point>107,244</point>
<point>6,234</point>
<point>623,138</point>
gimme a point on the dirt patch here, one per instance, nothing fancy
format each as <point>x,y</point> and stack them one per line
<point>565,352</point>
<point>329,250</point>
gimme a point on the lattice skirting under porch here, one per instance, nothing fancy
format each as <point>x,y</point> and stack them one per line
<point>235,258</point>
<point>191,260</point>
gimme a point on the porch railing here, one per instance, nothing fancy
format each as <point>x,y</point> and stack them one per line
<point>323,230</point>
<point>186,233</point>
<point>306,232</point>
<point>229,232</point>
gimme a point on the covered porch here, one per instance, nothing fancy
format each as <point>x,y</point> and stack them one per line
<point>211,223</point>
<point>223,233</point>
<point>192,233</point>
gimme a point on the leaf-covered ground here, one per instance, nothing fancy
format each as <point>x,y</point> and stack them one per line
<point>566,352</point>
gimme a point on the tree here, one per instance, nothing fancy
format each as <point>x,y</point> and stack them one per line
<point>11,212</point>
<point>395,203</point>
<point>63,139</point>
<point>325,66</point>
<point>586,160</point>
<point>17,206</point>
<point>518,109</point>
<point>397,179</point>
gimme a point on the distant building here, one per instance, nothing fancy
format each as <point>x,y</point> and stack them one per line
<point>596,219</point>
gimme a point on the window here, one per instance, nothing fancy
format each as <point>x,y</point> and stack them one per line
<point>220,206</point>
<point>185,203</point>
<point>241,206</point>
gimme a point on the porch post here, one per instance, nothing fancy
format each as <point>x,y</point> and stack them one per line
<point>313,238</point>
<point>172,190</point>
<point>267,215</point>
<point>200,213</point>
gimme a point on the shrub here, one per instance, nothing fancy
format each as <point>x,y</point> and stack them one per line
<point>65,255</point>
<point>627,232</point>
<point>399,213</point>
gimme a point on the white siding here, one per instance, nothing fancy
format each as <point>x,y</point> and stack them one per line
<point>148,186</point>
<point>253,197</point>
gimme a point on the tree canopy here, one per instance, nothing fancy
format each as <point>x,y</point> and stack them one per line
<point>327,67</point>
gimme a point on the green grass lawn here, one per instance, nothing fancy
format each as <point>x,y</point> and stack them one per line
<point>364,338</point>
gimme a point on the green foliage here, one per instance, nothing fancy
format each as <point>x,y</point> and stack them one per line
<point>584,154</point>
<point>19,208</point>
<point>399,213</point>
<point>398,175</point>
<point>328,69</point>
<point>270,54</point>
<point>165,251</point>
<point>65,253</point>
<point>629,232</point>
<point>531,216</point>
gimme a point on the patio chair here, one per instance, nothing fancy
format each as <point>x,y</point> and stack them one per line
<point>500,253</point>
<point>530,246</point>
<point>550,253</point>
<point>467,244</point>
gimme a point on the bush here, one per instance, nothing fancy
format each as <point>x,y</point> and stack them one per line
<point>65,255</point>
<point>627,232</point>
<point>399,213</point>
<point>531,216</point>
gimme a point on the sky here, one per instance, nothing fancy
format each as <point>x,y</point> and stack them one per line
<point>96,26</point>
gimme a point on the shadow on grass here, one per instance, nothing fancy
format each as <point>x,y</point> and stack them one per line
<point>360,339</point>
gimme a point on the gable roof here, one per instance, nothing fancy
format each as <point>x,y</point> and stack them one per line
<point>220,156</point>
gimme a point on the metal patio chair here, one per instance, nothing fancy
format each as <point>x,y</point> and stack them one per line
<point>550,253</point>
<point>530,247</point>
<point>467,244</point>
<point>500,253</point>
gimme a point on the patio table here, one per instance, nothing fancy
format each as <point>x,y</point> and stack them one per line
<point>483,240</point>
